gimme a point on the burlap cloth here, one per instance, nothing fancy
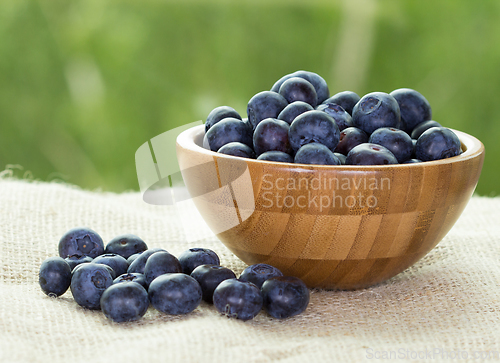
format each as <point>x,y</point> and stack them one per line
<point>446,307</point>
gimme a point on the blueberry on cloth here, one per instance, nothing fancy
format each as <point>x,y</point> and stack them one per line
<point>238,299</point>
<point>81,241</point>
<point>284,296</point>
<point>126,245</point>
<point>175,293</point>
<point>194,257</point>
<point>88,283</point>
<point>258,273</point>
<point>124,302</point>
<point>54,276</point>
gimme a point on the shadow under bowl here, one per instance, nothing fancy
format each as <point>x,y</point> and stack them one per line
<point>335,227</point>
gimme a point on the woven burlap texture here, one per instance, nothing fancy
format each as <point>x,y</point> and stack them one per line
<point>446,305</point>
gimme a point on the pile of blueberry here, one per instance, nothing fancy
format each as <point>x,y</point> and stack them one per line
<point>124,277</point>
<point>298,122</point>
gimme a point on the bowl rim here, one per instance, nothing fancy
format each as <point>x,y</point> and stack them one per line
<point>192,139</point>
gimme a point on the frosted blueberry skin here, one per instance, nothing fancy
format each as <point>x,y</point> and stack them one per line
<point>375,110</point>
<point>285,296</point>
<point>116,262</point>
<point>54,276</point>
<point>81,241</point>
<point>349,138</point>
<point>238,299</point>
<point>161,263</point>
<point>314,126</point>
<point>220,113</point>
<point>397,141</point>
<point>194,257</point>
<point>175,293</point>
<point>341,117</point>
<point>132,277</point>
<point>298,89</point>
<point>259,273</point>
<point>317,154</point>
<point>124,302</point>
<point>370,154</point>
<point>414,108</point>
<point>237,149</point>
<point>437,143</point>
<point>422,127</point>
<point>88,283</point>
<point>315,79</point>
<point>277,156</point>
<point>271,134</point>
<point>140,262</point>
<point>292,110</point>
<point>209,277</point>
<point>75,260</point>
<point>345,99</point>
<point>126,245</point>
<point>228,130</point>
<point>265,104</point>
<point>133,257</point>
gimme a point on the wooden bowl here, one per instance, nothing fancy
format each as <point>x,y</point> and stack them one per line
<point>335,227</point>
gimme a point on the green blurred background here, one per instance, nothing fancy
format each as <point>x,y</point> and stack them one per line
<point>84,83</point>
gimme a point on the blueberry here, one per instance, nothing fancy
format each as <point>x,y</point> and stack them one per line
<point>284,296</point>
<point>345,99</point>
<point>238,299</point>
<point>133,257</point>
<point>298,89</point>
<point>437,143</point>
<point>81,242</point>
<point>209,277</point>
<point>341,158</point>
<point>278,156</point>
<point>375,110</point>
<point>314,126</point>
<point>259,273</point>
<point>319,84</point>
<point>54,276</point>
<point>88,282</point>
<point>194,257</point>
<point>132,277</point>
<point>341,117</point>
<point>292,110</point>
<point>397,141</point>
<point>138,264</point>
<point>124,302</point>
<point>422,127</point>
<point>116,262</point>
<point>228,130</point>
<point>161,263</point>
<point>220,113</point>
<point>175,293</point>
<point>315,153</point>
<point>265,104</point>
<point>349,138</point>
<point>370,154</point>
<point>271,134</point>
<point>75,260</point>
<point>126,245</point>
<point>237,149</point>
<point>413,106</point>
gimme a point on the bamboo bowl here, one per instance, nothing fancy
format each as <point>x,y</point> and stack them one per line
<point>335,227</point>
